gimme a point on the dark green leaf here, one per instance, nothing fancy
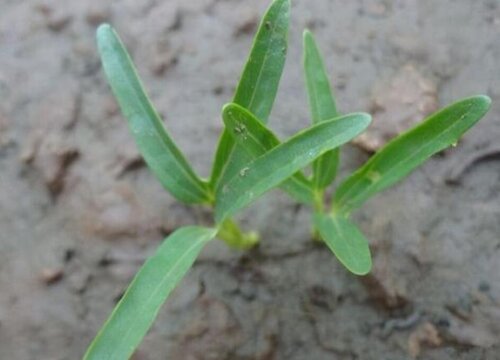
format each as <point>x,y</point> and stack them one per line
<point>407,151</point>
<point>259,82</point>
<point>322,104</point>
<point>346,241</point>
<point>159,151</point>
<point>136,311</point>
<point>284,160</point>
<point>258,140</point>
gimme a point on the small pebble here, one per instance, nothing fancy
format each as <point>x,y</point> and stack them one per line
<point>51,276</point>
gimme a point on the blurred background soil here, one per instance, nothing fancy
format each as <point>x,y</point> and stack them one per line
<point>79,211</point>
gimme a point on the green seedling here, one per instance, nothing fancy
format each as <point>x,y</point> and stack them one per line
<point>388,166</point>
<point>250,160</point>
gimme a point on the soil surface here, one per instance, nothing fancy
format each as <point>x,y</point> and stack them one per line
<point>79,211</point>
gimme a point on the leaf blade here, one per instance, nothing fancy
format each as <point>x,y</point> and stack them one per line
<point>259,81</point>
<point>345,240</point>
<point>278,164</point>
<point>136,311</point>
<point>322,105</point>
<point>410,149</point>
<point>320,95</point>
<point>258,140</point>
<point>156,146</point>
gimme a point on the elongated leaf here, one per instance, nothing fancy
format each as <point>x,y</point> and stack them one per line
<point>410,149</point>
<point>137,309</point>
<point>259,82</point>
<point>277,165</point>
<point>257,140</point>
<point>346,241</point>
<point>322,104</point>
<point>159,151</point>
<point>321,99</point>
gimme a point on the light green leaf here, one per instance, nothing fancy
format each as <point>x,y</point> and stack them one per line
<point>258,139</point>
<point>259,82</point>
<point>136,311</point>
<point>346,241</point>
<point>407,151</point>
<point>159,151</point>
<point>322,104</point>
<point>278,164</point>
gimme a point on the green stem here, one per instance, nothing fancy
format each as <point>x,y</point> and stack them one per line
<point>318,208</point>
<point>231,234</point>
<point>210,195</point>
<point>318,200</point>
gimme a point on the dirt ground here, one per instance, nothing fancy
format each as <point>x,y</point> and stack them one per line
<point>79,211</point>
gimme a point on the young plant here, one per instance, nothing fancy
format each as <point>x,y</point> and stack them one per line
<point>388,166</point>
<point>250,160</point>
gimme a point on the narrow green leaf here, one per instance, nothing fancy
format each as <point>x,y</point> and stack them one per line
<point>159,151</point>
<point>259,82</point>
<point>322,104</point>
<point>410,149</point>
<point>260,79</point>
<point>346,241</point>
<point>321,99</point>
<point>258,139</point>
<point>284,160</point>
<point>136,311</point>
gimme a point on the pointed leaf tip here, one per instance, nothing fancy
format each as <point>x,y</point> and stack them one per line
<point>322,105</point>
<point>410,149</point>
<point>486,100</point>
<point>160,152</point>
<point>284,160</point>
<point>347,243</point>
<point>258,84</point>
<point>104,27</point>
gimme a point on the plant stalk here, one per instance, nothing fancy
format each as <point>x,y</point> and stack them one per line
<point>319,207</point>
<point>231,234</point>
